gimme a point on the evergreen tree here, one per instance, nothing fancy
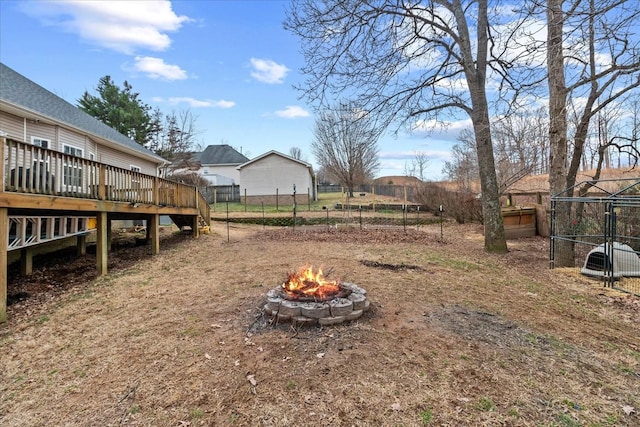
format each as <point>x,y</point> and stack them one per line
<point>121,109</point>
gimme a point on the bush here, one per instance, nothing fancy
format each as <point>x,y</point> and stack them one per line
<point>462,205</point>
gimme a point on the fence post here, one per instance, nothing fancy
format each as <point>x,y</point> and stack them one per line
<point>277,200</point>
<point>245,199</point>
<point>294,207</point>
<point>374,197</point>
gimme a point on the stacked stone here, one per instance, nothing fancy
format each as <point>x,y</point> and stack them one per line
<point>332,312</point>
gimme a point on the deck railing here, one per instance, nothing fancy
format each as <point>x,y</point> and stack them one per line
<point>28,168</point>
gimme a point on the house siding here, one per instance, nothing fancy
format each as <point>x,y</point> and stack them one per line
<point>124,160</point>
<point>12,125</point>
<point>41,130</point>
<point>59,136</point>
<point>227,171</point>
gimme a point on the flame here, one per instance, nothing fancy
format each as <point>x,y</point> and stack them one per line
<point>306,283</point>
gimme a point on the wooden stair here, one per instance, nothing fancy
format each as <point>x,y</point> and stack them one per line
<point>186,221</point>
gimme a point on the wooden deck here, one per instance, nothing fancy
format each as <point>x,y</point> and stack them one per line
<point>44,192</point>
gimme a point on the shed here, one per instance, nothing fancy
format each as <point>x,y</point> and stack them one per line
<point>274,175</point>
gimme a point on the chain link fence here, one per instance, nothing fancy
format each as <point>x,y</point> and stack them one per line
<point>404,217</point>
<point>602,231</point>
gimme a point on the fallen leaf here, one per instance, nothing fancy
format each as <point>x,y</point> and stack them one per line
<point>252,380</point>
<point>207,355</point>
<point>628,409</point>
<point>320,355</point>
<point>396,407</point>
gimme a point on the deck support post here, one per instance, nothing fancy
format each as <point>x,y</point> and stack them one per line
<point>195,225</point>
<point>81,245</point>
<point>153,226</point>
<point>4,242</point>
<point>102,243</point>
<point>109,235</point>
<point>26,261</point>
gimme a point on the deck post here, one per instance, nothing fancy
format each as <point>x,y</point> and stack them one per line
<point>26,261</point>
<point>102,243</point>
<point>81,245</point>
<point>3,182</point>
<point>195,225</point>
<point>4,242</point>
<point>102,182</point>
<point>154,227</point>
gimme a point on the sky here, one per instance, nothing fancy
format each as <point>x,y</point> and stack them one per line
<point>230,63</point>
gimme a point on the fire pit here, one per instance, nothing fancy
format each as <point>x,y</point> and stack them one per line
<point>307,298</point>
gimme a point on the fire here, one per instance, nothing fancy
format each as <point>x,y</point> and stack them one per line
<point>307,284</point>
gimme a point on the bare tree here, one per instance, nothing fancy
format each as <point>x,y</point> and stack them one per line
<point>175,139</point>
<point>463,167</point>
<point>345,145</point>
<point>520,146</point>
<point>413,64</point>
<point>418,166</point>
<point>592,55</point>
<point>296,153</point>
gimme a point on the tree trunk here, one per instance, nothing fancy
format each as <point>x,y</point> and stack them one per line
<point>494,237</point>
<point>563,250</point>
<point>475,72</point>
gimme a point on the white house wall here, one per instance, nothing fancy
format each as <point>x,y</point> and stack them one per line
<point>263,177</point>
<point>231,172</point>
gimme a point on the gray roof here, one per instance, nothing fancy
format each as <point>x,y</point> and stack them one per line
<point>17,90</point>
<point>220,155</point>
<point>276,153</point>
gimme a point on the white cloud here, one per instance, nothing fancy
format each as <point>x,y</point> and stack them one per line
<point>292,112</point>
<point>267,71</point>
<point>194,103</point>
<point>117,25</point>
<point>156,68</point>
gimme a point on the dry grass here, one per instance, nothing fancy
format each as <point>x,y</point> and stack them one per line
<point>535,183</point>
<point>468,339</point>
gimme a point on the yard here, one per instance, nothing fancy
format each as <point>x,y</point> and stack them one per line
<point>454,336</point>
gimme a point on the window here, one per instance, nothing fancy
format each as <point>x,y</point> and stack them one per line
<point>135,180</point>
<point>72,151</point>
<point>40,142</point>
<point>72,171</point>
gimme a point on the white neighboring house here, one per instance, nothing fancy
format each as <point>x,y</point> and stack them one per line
<point>219,164</point>
<point>275,174</point>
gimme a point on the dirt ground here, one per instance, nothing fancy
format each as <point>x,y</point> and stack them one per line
<point>454,336</point>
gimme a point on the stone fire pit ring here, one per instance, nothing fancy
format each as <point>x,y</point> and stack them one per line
<point>331,312</point>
